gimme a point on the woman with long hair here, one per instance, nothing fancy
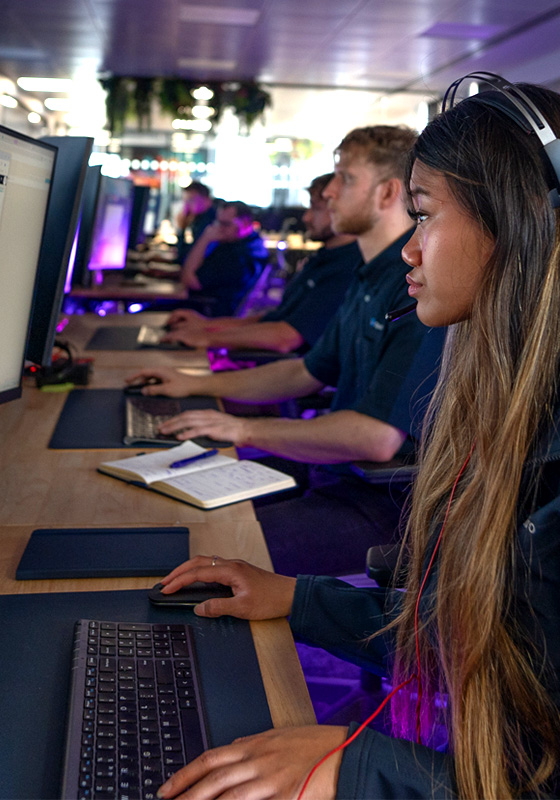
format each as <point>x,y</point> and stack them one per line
<point>474,641</point>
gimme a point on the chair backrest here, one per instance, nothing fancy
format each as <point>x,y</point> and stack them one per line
<point>399,471</point>
<point>257,291</point>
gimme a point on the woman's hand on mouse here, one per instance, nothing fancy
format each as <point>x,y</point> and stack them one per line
<point>257,594</point>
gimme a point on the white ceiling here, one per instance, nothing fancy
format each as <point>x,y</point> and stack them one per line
<point>393,45</point>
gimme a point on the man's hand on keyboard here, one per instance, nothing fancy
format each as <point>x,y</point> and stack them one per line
<point>273,764</point>
<point>170,382</point>
<point>192,336</point>
<point>186,317</point>
<point>257,594</point>
<point>207,422</point>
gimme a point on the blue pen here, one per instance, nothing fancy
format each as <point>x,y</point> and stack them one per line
<point>185,461</point>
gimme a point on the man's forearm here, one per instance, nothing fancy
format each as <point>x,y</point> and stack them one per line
<point>278,336</point>
<point>270,383</point>
<point>329,439</point>
<point>221,323</point>
<point>193,263</point>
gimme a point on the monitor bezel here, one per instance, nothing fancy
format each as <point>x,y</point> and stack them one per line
<point>51,278</point>
<point>15,392</point>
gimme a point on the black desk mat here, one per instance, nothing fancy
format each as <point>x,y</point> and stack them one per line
<point>94,419</point>
<point>35,657</point>
<point>116,337</point>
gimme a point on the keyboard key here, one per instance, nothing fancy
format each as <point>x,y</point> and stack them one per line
<point>192,735</point>
<point>164,671</point>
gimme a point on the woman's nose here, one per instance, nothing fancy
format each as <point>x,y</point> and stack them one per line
<point>412,252</point>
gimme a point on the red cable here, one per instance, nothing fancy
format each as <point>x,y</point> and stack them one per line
<point>417,676</point>
<point>351,738</point>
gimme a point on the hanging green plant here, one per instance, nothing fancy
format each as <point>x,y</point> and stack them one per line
<point>175,96</point>
<point>249,102</point>
<point>117,102</point>
<point>143,94</point>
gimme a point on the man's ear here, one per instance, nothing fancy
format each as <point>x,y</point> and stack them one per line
<point>390,192</point>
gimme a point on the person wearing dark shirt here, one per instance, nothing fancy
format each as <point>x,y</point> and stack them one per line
<point>225,261</point>
<point>472,645</point>
<point>363,355</point>
<point>310,299</point>
<point>197,212</point>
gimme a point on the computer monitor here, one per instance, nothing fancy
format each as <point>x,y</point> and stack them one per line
<point>78,274</point>
<point>26,170</point>
<point>137,233</point>
<point>60,229</point>
<point>112,224</point>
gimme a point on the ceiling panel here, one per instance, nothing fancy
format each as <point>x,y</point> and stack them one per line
<point>389,44</point>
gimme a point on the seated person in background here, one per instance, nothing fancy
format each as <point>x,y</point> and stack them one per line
<point>366,357</point>
<point>226,259</point>
<point>197,212</point>
<point>310,300</point>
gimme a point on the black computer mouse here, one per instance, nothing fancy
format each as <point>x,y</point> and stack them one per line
<point>189,596</point>
<point>136,388</point>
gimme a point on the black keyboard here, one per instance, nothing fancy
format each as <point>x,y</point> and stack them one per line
<point>135,714</point>
<point>145,414</point>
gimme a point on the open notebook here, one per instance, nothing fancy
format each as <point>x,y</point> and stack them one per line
<point>206,482</point>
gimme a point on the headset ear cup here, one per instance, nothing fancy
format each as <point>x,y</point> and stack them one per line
<point>514,103</point>
<point>554,198</point>
<point>552,151</point>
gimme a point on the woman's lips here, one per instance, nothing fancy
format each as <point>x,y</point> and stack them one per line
<point>413,286</point>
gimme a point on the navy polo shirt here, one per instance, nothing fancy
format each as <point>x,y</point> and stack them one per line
<point>313,295</point>
<point>416,390</point>
<point>366,357</point>
<point>228,272</point>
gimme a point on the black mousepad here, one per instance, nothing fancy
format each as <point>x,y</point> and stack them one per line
<point>115,337</point>
<point>94,419</point>
<point>35,659</point>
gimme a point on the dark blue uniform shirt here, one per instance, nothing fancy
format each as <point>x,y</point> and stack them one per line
<point>228,272</point>
<point>365,357</point>
<point>313,295</point>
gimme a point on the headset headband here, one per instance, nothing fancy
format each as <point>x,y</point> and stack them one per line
<point>513,102</point>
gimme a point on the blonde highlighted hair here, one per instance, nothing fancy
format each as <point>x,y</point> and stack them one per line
<point>497,389</point>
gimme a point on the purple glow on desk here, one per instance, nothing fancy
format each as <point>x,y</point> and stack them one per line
<point>281,246</point>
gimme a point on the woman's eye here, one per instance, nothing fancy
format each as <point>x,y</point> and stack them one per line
<point>417,216</point>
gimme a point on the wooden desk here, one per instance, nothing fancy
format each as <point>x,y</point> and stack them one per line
<point>283,680</point>
<point>115,287</point>
<point>81,327</point>
<point>44,487</point>
<point>61,488</point>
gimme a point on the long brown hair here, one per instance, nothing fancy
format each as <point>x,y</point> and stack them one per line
<point>497,386</point>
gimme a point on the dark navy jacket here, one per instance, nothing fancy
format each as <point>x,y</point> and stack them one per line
<point>333,615</point>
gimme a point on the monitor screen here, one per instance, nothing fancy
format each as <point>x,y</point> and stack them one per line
<point>60,229</point>
<point>112,224</point>
<point>78,273</point>
<point>26,170</point>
